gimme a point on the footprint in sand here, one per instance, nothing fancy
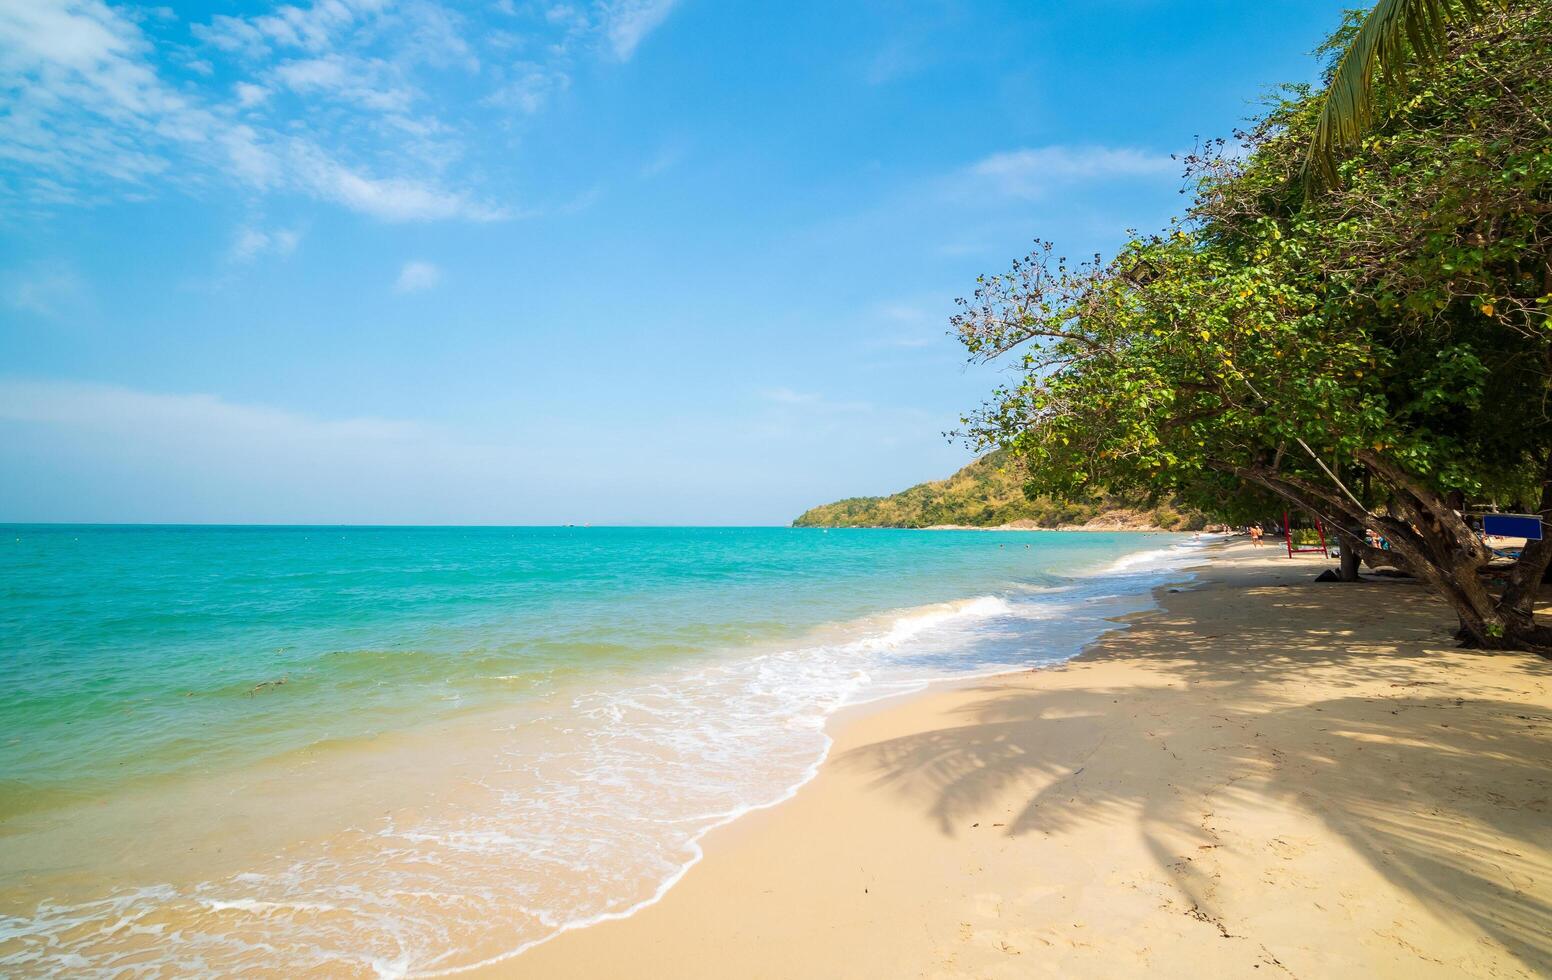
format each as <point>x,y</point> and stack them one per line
<point>988,905</point>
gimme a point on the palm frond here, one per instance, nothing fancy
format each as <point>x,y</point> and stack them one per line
<point>1392,33</point>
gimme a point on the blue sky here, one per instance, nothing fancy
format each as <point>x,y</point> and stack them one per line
<point>623,261</point>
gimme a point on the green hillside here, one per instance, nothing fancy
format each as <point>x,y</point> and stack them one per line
<point>987,493</point>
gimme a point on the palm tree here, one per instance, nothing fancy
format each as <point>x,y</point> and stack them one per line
<point>1392,33</point>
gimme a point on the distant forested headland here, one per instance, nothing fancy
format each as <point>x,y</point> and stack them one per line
<point>990,493</point>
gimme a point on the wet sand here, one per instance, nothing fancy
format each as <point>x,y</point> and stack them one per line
<point>1265,777</point>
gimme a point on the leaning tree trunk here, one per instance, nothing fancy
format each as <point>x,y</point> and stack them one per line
<point>1487,621</point>
<point>1522,586</point>
<point>1432,541</point>
<point>1350,554</point>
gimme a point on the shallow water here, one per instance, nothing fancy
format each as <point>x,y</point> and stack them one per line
<point>355,750</point>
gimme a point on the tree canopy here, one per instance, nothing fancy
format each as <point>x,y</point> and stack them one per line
<point>1379,354</point>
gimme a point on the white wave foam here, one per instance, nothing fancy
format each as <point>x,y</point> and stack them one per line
<point>1169,559</point>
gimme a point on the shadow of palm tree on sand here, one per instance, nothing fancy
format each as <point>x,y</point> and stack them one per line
<point>1446,796</point>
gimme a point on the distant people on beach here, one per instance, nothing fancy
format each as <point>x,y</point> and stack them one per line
<point>1255,534</point>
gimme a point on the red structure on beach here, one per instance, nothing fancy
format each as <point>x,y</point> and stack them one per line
<point>1298,550</point>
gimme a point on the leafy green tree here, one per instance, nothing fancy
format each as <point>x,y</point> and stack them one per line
<point>1379,355</point>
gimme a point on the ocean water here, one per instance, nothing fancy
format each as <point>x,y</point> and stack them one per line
<point>390,751</point>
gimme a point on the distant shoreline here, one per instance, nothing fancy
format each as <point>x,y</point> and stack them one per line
<point>1021,526</point>
<point>1094,526</point>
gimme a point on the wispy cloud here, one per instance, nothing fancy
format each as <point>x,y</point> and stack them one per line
<point>345,101</point>
<point>907,325</point>
<point>201,456</point>
<point>628,22</point>
<point>956,249</point>
<point>250,95</point>
<point>112,408</point>
<point>113,453</point>
<point>664,160</point>
<point>251,242</point>
<point>529,88</point>
<point>907,341</point>
<point>93,105</point>
<point>812,401</point>
<point>903,312</point>
<point>794,414</point>
<point>894,60</point>
<point>787,396</point>
<point>367,82</point>
<point>1032,172</point>
<point>417,276</point>
<point>314,27</point>
<point>45,289</point>
<point>389,198</point>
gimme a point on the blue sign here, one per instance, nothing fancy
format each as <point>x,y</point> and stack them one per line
<point>1526,526</point>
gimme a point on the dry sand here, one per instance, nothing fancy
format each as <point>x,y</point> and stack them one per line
<point>1266,777</point>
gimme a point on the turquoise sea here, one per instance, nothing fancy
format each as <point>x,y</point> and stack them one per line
<point>354,750</point>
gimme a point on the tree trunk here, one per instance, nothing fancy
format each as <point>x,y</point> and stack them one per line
<point>1505,633</point>
<point>1350,555</point>
<point>1434,542</point>
<point>1528,574</point>
<point>1488,623</point>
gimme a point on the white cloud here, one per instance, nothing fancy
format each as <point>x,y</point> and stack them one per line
<point>895,60</point>
<point>812,401</point>
<point>787,396</point>
<point>114,454</point>
<point>311,28</point>
<point>108,453</point>
<point>1029,173</point>
<point>955,249</point>
<point>664,160</point>
<point>207,458</point>
<point>559,13</point>
<point>368,82</point>
<point>43,289</point>
<point>529,88</point>
<point>796,416</point>
<point>249,95</point>
<point>250,243</point>
<point>344,101</point>
<point>907,324</point>
<point>628,22</point>
<point>79,94</point>
<point>87,37</point>
<point>112,408</point>
<point>903,312</point>
<point>389,198</point>
<point>248,158</point>
<point>92,117</point>
<point>416,276</point>
<point>432,34</point>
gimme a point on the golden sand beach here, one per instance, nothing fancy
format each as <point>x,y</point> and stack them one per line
<point>1264,777</point>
